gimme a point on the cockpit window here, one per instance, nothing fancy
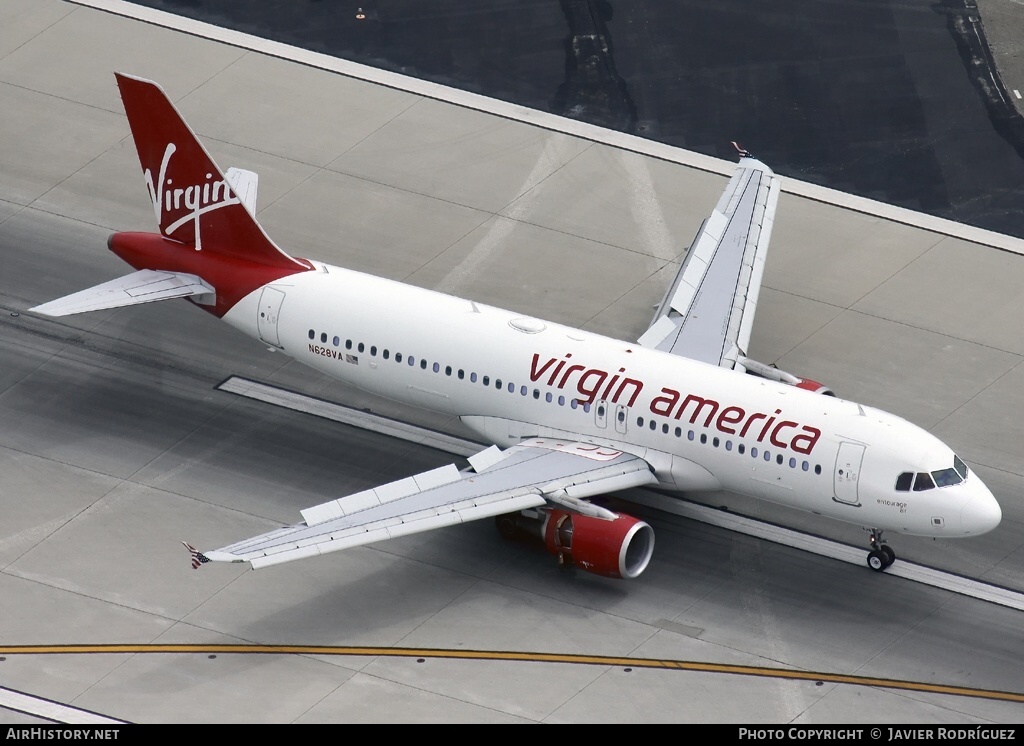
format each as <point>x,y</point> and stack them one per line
<point>923,482</point>
<point>946,477</point>
<point>940,478</point>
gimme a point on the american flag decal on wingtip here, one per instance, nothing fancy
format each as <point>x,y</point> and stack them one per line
<point>198,558</point>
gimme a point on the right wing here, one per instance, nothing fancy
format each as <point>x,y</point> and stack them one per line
<point>708,311</point>
<point>528,475</point>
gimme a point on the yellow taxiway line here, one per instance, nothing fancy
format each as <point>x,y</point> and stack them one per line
<point>519,657</point>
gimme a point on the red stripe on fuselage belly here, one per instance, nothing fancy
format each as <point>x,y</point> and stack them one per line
<point>232,278</point>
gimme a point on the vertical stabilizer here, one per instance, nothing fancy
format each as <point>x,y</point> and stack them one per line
<point>193,202</point>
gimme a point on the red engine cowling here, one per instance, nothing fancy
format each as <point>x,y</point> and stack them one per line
<point>814,387</point>
<point>619,548</point>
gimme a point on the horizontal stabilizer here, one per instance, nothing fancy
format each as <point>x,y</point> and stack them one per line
<point>244,184</point>
<point>144,286</point>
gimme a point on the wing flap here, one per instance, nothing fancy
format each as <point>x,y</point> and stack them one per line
<point>380,495</point>
<point>144,286</point>
<point>522,478</point>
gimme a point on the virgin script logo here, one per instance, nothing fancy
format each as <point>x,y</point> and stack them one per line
<point>195,199</point>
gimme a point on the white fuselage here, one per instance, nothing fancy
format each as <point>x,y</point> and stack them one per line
<point>511,377</point>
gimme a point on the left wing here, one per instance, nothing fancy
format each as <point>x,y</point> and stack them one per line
<point>531,474</point>
<point>708,311</point>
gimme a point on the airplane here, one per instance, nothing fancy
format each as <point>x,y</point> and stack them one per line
<point>570,414</point>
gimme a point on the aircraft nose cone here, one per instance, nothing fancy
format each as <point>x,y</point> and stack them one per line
<point>981,514</point>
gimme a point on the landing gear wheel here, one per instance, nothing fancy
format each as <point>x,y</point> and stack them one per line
<point>506,525</point>
<point>890,556</point>
<point>877,560</point>
<point>881,555</point>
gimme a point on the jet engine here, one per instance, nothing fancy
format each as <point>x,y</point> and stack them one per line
<point>772,373</point>
<point>614,545</point>
<point>615,548</point>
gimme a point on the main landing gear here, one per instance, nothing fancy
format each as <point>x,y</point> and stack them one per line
<point>881,555</point>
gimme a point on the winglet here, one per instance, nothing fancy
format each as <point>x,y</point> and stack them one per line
<point>744,153</point>
<point>198,558</point>
<point>747,159</point>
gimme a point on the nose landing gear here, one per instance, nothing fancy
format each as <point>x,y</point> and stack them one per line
<point>881,555</point>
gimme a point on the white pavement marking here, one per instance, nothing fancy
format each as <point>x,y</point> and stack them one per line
<point>53,711</point>
<point>677,506</point>
<point>828,548</point>
<point>547,121</point>
<point>548,162</point>
<point>646,210</point>
<point>339,413</point>
<point>1016,93</point>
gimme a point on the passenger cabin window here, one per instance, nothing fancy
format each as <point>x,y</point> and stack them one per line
<point>904,480</point>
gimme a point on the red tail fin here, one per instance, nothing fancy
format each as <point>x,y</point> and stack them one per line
<point>193,202</point>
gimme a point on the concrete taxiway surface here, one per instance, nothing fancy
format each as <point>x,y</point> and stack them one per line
<point>115,443</point>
